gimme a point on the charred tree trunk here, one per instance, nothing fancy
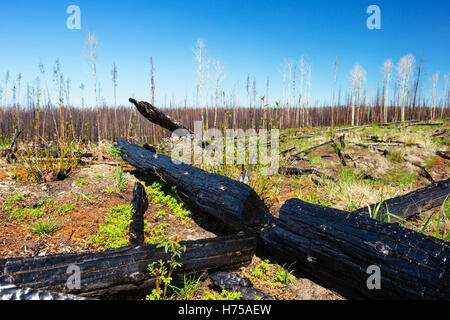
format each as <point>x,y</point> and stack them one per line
<point>140,205</point>
<point>338,250</point>
<point>156,116</point>
<point>231,201</point>
<point>414,202</point>
<point>123,269</point>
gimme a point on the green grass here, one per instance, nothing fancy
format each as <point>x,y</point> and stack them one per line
<point>120,179</point>
<point>399,177</point>
<point>396,156</point>
<point>113,233</point>
<point>189,289</point>
<point>45,227</point>
<point>284,276</point>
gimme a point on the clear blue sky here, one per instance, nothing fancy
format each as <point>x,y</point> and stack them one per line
<point>250,37</point>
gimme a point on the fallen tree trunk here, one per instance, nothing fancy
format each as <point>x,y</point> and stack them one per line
<point>338,249</point>
<point>298,172</point>
<point>156,116</point>
<point>231,201</point>
<point>414,202</point>
<point>124,269</point>
<point>443,154</point>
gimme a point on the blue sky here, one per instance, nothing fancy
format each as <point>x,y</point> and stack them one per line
<point>249,37</point>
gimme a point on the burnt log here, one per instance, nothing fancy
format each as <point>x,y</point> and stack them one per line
<point>298,172</point>
<point>338,250</point>
<point>234,283</point>
<point>140,205</point>
<point>156,116</point>
<point>11,292</point>
<point>443,154</point>
<point>124,269</point>
<point>414,202</point>
<point>231,201</point>
<point>10,156</point>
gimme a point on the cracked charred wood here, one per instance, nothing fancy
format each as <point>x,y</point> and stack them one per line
<point>140,205</point>
<point>336,248</point>
<point>414,202</point>
<point>231,201</point>
<point>124,269</point>
<point>11,292</point>
<point>234,283</point>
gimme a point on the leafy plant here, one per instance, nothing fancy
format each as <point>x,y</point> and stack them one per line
<point>163,273</point>
<point>284,276</point>
<point>64,208</point>
<point>159,196</point>
<point>113,233</point>
<point>16,198</point>
<point>224,295</point>
<point>160,214</point>
<point>81,181</point>
<point>260,272</point>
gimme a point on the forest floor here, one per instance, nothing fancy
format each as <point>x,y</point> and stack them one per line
<point>64,216</point>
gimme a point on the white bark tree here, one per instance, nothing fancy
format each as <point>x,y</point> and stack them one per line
<point>387,73</point>
<point>357,78</point>
<point>435,80</point>
<point>405,69</point>
<point>446,93</point>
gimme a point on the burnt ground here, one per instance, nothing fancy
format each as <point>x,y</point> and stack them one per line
<point>92,203</point>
